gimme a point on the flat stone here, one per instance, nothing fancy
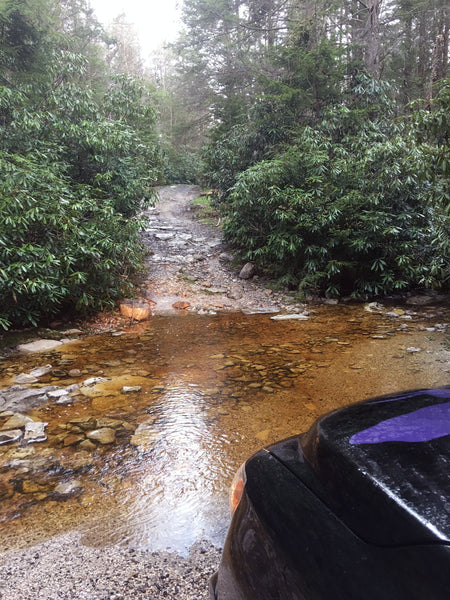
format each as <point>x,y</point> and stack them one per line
<point>57,393</point>
<point>263,435</point>
<point>35,432</point>
<point>68,489</point>
<point>25,378</point>
<point>93,381</point>
<point>145,435</point>
<point>131,389</point>
<point>84,423</point>
<point>18,398</point>
<point>16,422</point>
<point>72,439</point>
<point>104,435</point>
<point>39,346</point>
<point>107,422</point>
<point>290,316</point>
<point>87,445</point>
<point>41,371</point>
<point>13,435</point>
<point>374,307</point>
<point>413,350</point>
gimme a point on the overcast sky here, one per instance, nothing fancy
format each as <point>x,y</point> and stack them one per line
<point>155,20</point>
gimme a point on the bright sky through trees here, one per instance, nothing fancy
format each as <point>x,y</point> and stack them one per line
<point>156,21</point>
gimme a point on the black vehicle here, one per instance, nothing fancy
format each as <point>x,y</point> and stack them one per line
<point>358,508</point>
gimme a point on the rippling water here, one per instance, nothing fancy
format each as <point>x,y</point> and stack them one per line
<point>213,390</point>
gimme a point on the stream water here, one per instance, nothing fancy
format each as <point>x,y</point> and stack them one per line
<point>189,397</point>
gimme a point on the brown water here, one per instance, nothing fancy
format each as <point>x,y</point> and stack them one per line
<point>214,389</point>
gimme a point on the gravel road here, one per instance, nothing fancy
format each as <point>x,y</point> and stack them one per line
<point>63,568</point>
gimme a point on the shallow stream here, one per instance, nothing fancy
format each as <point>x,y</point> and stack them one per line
<point>189,398</point>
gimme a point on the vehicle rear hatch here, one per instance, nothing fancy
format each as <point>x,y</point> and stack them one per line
<point>383,466</point>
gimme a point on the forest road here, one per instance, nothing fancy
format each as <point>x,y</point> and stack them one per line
<point>190,265</point>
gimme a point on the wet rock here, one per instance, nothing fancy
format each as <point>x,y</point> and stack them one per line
<point>41,371</point>
<point>93,381</point>
<point>35,432</point>
<point>247,271</point>
<point>18,398</point>
<point>17,421</point>
<point>131,389</point>
<point>291,316</point>
<point>74,373</point>
<point>67,489</point>
<point>181,305</point>
<point>85,423</point>
<point>72,439</point>
<point>104,435</point>
<point>88,446</point>
<point>374,307</point>
<point>39,346</point>
<point>145,435</point>
<point>25,378</point>
<point>263,436</point>
<point>13,435</point>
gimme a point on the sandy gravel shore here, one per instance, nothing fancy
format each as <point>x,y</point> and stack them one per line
<point>62,568</point>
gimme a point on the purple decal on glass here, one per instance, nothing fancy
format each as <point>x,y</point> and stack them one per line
<point>421,425</point>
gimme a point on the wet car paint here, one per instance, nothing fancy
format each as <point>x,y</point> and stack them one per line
<point>341,514</point>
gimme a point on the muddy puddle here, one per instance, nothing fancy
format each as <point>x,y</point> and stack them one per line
<point>143,452</point>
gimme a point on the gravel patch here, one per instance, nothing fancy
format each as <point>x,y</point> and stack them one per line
<point>62,568</point>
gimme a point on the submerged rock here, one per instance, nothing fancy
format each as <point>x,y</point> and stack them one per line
<point>104,435</point>
<point>35,432</point>
<point>39,346</point>
<point>67,489</point>
<point>145,435</point>
<point>41,371</point>
<point>25,378</point>
<point>291,316</point>
<point>17,421</point>
<point>131,389</point>
<point>13,435</point>
<point>19,397</point>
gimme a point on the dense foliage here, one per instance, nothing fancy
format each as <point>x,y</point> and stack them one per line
<point>78,158</point>
<point>347,208</point>
<point>328,176</point>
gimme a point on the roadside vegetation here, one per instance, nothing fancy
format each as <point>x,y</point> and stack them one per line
<point>78,159</point>
<point>321,127</point>
<point>328,150</point>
